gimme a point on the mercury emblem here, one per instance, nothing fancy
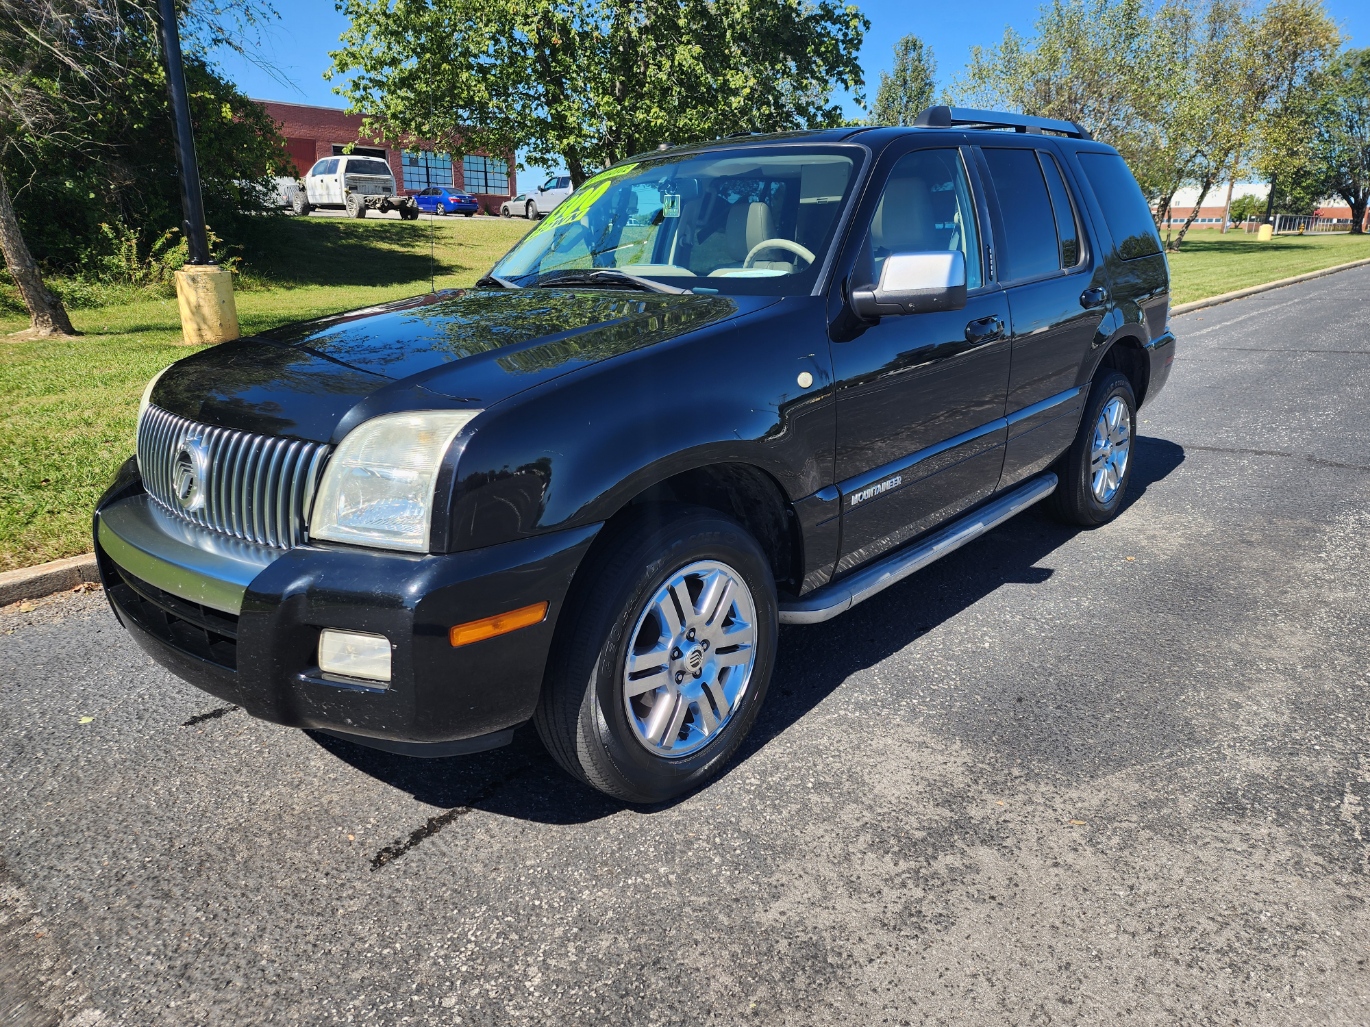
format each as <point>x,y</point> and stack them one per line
<point>188,474</point>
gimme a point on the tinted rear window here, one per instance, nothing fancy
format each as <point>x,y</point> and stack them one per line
<point>1030,226</point>
<point>1066,224</point>
<point>356,166</point>
<point>1125,210</point>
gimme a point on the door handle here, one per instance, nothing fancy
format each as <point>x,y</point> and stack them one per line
<point>985,329</point>
<point>1093,297</point>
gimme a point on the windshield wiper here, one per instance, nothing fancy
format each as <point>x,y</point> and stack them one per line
<point>490,280</point>
<point>604,276</point>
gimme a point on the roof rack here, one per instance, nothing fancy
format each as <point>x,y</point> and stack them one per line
<point>966,117</point>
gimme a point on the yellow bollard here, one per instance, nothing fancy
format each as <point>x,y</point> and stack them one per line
<point>204,293</point>
<point>1265,233</point>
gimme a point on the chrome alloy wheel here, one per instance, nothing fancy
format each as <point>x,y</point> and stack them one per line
<point>1109,453</point>
<point>690,659</point>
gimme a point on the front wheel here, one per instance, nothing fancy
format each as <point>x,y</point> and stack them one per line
<point>663,657</point>
<point>356,206</point>
<point>531,211</point>
<point>299,203</point>
<point>1095,471</point>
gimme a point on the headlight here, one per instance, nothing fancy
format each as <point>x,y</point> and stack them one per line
<point>147,394</point>
<point>378,488</point>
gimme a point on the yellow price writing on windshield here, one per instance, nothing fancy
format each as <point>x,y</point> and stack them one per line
<point>578,204</point>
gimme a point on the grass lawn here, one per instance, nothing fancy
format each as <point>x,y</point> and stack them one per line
<point>69,406</point>
<point>1211,263</point>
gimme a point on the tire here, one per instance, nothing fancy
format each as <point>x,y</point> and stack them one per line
<point>585,716</point>
<point>531,211</point>
<point>299,203</point>
<point>1095,471</point>
<point>471,214</point>
<point>356,206</point>
<point>409,213</point>
<point>504,210</point>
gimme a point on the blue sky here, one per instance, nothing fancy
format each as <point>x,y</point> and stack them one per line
<point>298,44</point>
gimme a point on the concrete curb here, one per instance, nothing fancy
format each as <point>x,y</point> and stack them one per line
<point>1213,301</point>
<point>46,578</point>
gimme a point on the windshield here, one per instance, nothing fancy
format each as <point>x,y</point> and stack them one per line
<point>750,220</point>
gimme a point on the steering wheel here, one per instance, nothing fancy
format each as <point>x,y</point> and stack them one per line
<point>783,244</point>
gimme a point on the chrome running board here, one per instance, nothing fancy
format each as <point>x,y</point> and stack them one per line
<point>830,600</point>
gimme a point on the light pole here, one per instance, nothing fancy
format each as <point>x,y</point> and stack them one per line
<point>204,291</point>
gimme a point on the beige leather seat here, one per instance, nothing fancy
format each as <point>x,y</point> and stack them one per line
<point>904,221</point>
<point>747,225</point>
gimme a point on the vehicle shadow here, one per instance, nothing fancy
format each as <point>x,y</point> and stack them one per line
<point>522,781</point>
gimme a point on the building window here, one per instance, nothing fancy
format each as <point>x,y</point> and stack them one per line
<point>425,168</point>
<point>485,175</point>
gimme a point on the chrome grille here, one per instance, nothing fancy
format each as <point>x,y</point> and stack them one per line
<point>256,487</point>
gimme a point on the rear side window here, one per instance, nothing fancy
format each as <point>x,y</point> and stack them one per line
<point>1125,210</point>
<point>1067,224</point>
<point>1029,223</point>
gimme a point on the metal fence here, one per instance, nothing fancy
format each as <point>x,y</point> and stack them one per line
<point>1301,224</point>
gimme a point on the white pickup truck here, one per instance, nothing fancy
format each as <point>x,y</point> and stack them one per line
<point>356,184</point>
<point>541,200</point>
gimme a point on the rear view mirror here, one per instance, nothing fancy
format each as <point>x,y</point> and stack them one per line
<point>914,283</point>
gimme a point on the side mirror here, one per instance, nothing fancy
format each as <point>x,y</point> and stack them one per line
<point>915,283</point>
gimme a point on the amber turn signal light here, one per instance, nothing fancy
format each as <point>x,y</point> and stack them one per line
<point>499,624</point>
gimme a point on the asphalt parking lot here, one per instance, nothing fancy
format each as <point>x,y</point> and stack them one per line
<point>1118,776</point>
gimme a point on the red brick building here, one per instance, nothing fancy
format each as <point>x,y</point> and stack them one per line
<point>312,133</point>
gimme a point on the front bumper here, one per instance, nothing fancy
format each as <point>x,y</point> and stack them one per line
<point>243,624</point>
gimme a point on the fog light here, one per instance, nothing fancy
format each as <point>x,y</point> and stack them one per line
<point>354,654</point>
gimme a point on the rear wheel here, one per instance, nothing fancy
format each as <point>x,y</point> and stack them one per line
<point>356,206</point>
<point>663,656</point>
<point>1095,471</point>
<point>470,213</point>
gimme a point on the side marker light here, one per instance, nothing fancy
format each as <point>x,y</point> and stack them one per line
<point>499,624</point>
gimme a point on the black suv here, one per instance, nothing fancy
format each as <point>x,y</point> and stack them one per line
<point>719,388</point>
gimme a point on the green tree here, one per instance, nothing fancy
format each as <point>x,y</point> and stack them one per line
<point>589,82</point>
<point>85,133</point>
<point>1205,84</point>
<point>1341,141</point>
<point>1246,207</point>
<point>907,92</point>
<point>1296,41</point>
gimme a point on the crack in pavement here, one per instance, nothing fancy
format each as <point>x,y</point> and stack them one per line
<point>399,847</point>
<point>1317,460</point>
<point>200,718</point>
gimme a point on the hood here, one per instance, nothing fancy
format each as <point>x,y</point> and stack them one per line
<point>476,348</point>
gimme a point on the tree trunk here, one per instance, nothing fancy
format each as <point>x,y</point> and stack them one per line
<point>47,316</point>
<point>1193,214</point>
<point>575,167</point>
<point>1357,202</point>
<point>1227,207</point>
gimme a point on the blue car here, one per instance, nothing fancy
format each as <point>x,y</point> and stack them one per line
<point>440,199</point>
